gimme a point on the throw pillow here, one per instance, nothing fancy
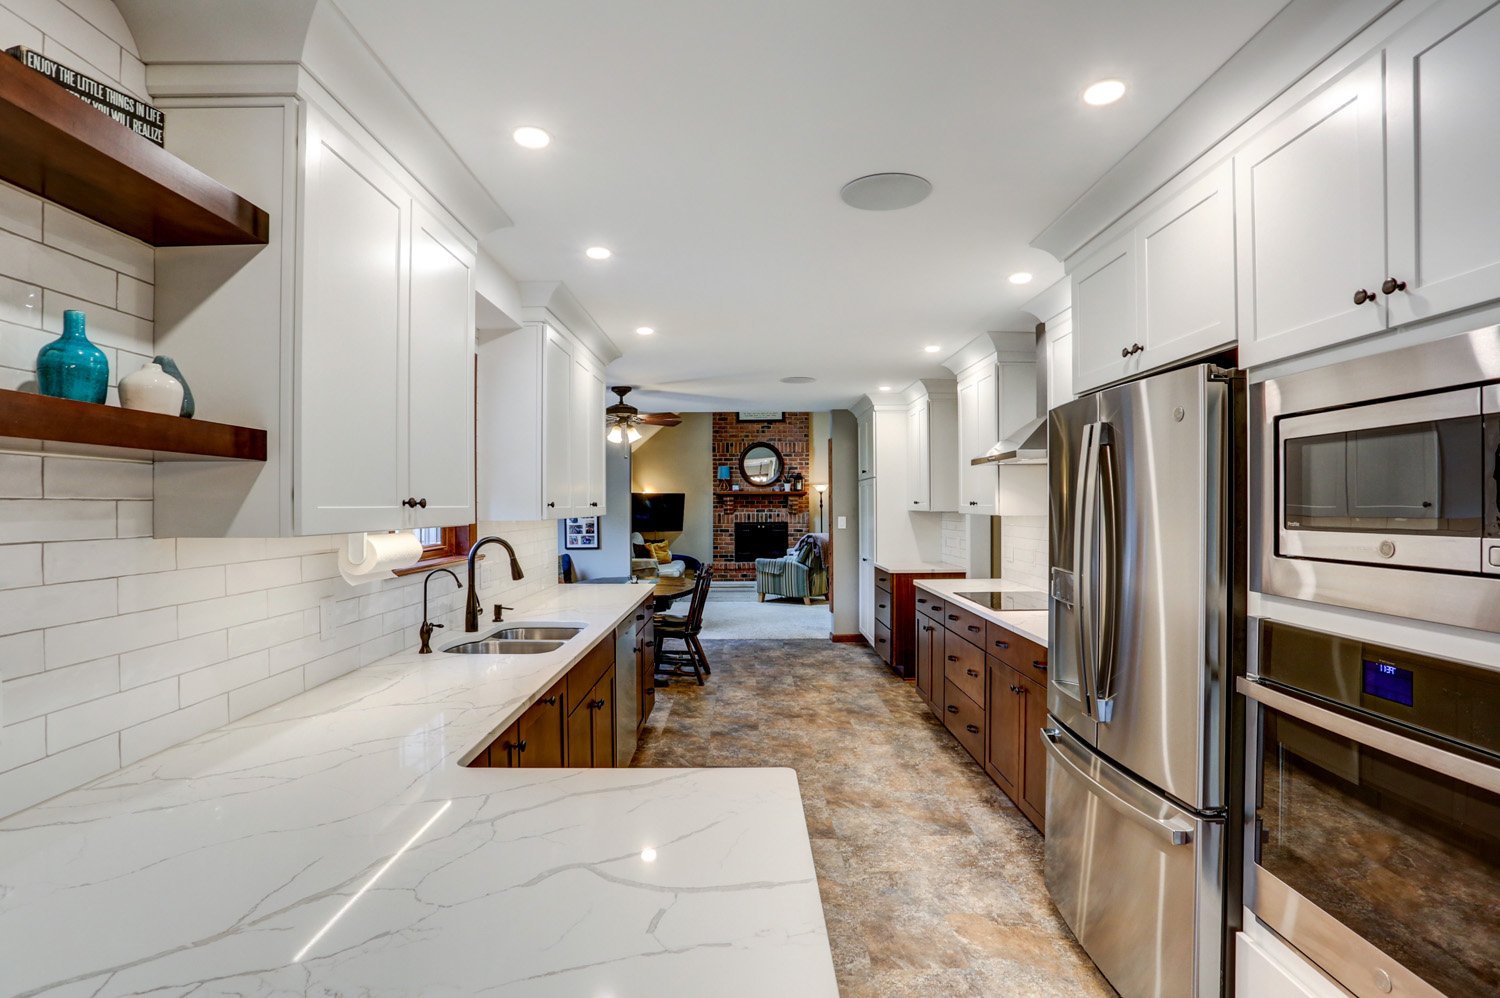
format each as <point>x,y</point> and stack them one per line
<point>660,550</point>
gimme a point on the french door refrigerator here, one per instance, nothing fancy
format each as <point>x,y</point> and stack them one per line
<point>1146,628</point>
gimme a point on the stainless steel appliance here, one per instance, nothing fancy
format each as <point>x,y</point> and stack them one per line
<point>1377,482</point>
<point>1146,629</point>
<point>1374,779</point>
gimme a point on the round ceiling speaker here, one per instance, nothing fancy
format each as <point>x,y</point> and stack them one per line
<point>798,379</point>
<point>885,191</point>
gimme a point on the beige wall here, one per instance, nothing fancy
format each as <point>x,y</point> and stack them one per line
<point>679,459</point>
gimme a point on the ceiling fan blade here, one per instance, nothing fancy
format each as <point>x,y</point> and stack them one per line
<point>661,418</point>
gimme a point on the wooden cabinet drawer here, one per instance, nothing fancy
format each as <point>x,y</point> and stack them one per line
<point>965,719</point>
<point>1022,654</point>
<point>969,626</point>
<point>883,642</point>
<point>882,579</point>
<point>963,666</point>
<point>929,605</point>
<point>884,605</point>
<point>583,676</point>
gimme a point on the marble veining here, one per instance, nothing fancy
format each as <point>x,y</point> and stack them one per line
<point>1031,624</point>
<point>334,844</point>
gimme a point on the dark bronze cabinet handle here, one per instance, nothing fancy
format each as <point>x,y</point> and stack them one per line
<point>880,605</point>
<point>1361,296</point>
<point>973,502</point>
<point>650,644</point>
<point>921,599</point>
<point>974,628</point>
<point>521,745</point>
<point>953,708</point>
<point>1001,644</point>
<point>413,502</point>
<point>953,658</point>
<point>650,691</point>
<point>972,673</point>
<point>1134,348</point>
<point>973,728</point>
<point>594,504</point>
<point>916,502</point>
<point>1391,286</point>
<point>596,704</point>
<point>1039,665</point>
<point>549,701</point>
<point>1014,688</point>
<point>552,505</point>
<point>952,616</point>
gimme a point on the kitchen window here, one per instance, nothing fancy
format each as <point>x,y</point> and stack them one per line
<point>441,546</point>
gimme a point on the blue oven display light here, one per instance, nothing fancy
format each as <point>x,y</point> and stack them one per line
<point>1388,682</point>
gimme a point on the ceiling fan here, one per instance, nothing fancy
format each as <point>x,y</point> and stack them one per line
<point>622,418</point>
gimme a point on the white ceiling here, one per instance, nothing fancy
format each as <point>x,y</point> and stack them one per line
<point>706,142</point>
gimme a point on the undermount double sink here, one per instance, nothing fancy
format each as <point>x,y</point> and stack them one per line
<point>534,638</point>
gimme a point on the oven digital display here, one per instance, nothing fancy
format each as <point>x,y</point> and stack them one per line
<point>1388,682</point>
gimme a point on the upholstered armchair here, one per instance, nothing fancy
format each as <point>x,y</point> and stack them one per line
<point>801,574</point>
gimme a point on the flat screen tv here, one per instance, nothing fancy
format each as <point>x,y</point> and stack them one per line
<point>656,512</point>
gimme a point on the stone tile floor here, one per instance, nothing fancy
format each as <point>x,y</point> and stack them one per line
<point>931,879</point>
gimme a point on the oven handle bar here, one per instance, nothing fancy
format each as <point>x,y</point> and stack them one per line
<point>1470,771</point>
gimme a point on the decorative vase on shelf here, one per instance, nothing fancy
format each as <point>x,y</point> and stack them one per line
<point>70,367</point>
<point>152,390</point>
<point>169,365</point>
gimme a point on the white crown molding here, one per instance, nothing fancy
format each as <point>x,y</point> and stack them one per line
<point>930,388</point>
<point>1052,302</point>
<point>551,301</point>
<point>993,347</point>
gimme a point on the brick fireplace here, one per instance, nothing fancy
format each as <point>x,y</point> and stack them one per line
<point>753,504</point>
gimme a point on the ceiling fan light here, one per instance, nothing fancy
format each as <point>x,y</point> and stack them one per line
<point>632,434</point>
<point>615,436</point>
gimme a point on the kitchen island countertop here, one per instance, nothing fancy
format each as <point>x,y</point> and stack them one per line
<point>334,844</point>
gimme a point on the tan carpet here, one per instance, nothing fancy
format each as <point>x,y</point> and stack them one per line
<point>734,614</point>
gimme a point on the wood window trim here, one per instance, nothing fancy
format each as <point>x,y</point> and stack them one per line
<point>453,550</point>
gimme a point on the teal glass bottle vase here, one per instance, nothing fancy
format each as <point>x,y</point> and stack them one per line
<point>70,367</point>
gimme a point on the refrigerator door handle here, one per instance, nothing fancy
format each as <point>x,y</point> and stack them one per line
<point>1103,576</point>
<point>1083,563</point>
<point>1174,830</point>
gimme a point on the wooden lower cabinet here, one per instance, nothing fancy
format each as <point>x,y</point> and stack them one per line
<point>541,732</point>
<point>1033,800</point>
<point>929,639</point>
<point>1004,715</point>
<point>591,726</point>
<point>645,666</point>
<point>897,601</point>
<point>883,642</point>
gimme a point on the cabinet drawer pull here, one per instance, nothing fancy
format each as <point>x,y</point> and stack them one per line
<point>521,745</point>
<point>1002,644</point>
<point>953,658</point>
<point>880,605</point>
<point>952,616</point>
<point>651,691</point>
<point>974,628</point>
<point>1391,286</point>
<point>1014,688</point>
<point>973,502</point>
<point>596,704</point>
<point>972,673</point>
<point>1039,665</point>
<point>1131,350</point>
<point>916,502</point>
<point>953,708</point>
<point>549,701</point>
<point>650,644</point>
<point>921,599</point>
<point>973,729</point>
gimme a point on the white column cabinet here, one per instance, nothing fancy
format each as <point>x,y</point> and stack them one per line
<point>558,426</point>
<point>1443,135</point>
<point>865,425</point>
<point>588,436</point>
<point>867,559</point>
<point>1311,191</point>
<point>932,473</point>
<point>978,430</point>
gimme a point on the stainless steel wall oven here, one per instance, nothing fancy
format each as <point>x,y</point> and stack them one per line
<point>1377,482</point>
<point>1374,806</point>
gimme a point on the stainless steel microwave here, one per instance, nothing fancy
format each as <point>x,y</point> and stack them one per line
<point>1377,482</point>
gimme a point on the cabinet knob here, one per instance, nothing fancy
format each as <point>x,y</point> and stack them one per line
<point>916,502</point>
<point>1014,688</point>
<point>973,729</point>
<point>1391,286</point>
<point>650,691</point>
<point>596,705</point>
<point>552,505</point>
<point>972,673</point>
<point>973,502</point>
<point>413,502</point>
<point>1361,296</point>
<point>521,745</point>
<point>921,599</point>
<point>1134,348</point>
<point>953,708</point>
<point>594,504</point>
<point>1039,665</point>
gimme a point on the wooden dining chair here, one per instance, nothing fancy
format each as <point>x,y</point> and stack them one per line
<point>685,629</point>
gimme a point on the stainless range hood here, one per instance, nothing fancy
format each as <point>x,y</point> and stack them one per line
<point>1028,445</point>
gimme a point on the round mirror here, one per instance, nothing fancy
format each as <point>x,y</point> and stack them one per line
<point>761,464</point>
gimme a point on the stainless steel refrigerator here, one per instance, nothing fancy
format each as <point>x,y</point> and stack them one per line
<point>1146,555</point>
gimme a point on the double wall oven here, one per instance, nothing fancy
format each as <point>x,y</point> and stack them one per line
<point>1379,482</point>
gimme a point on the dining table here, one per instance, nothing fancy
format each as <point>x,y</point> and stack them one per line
<point>666,591</point>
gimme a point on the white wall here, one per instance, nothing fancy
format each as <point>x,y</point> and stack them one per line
<point>114,645</point>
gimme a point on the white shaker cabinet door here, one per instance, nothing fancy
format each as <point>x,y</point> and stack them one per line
<point>978,430</point>
<point>557,426</point>
<point>1106,337</point>
<point>866,444</point>
<point>918,467</point>
<point>351,392</point>
<point>1443,119</point>
<point>441,361</point>
<point>588,438</point>
<point>867,560</point>
<point>1187,273</point>
<point>1311,223</point>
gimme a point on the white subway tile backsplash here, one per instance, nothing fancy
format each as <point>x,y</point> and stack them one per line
<point>23,743</point>
<point>202,684</point>
<point>187,585</point>
<point>84,237</point>
<point>257,696</point>
<point>20,565</point>
<point>106,326</point>
<point>217,614</point>
<point>136,298</point>
<point>331,667</point>
<point>39,520</point>
<point>319,566</point>
<point>305,595</point>
<point>272,631</point>
<point>20,476</point>
<point>147,665</point>
<point>84,478</point>
<point>21,655</point>
<point>171,729</point>
<point>48,606</point>
<point>20,304</point>
<point>24,786</point>
<point>80,642</point>
<point>57,689</point>
<point>194,552</point>
<point>26,260</point>
<point>20,211</point>
<point>133,519</point>
<point>247,576</point>
<point>71,561</point>
<point>87,721</point>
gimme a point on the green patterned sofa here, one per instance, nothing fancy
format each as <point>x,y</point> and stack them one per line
<point>802,574</point>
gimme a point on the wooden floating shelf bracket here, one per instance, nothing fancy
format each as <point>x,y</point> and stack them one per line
<point>39,417</point>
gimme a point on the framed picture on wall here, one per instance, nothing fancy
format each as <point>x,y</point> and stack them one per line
<point>759,417</point>
<point>581,533</point>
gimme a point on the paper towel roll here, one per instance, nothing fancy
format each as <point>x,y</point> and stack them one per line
<point>367,557</point>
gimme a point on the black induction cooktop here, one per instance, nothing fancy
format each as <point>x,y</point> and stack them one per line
<point>1020,600</point>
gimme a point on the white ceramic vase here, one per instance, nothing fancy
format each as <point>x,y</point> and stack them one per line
<point>152,390</point>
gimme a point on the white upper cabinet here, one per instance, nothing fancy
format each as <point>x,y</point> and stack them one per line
<point>558,416</point>
<point>1443,134</point>
<point>1186,256</point>
<point>441,361</point>
<point>1060,360</point>
<point>1311,192</point>
<point>348,336</point>
<point>1106,333</point>
<point>932,472</point>
<point>865,426</point>
<point>588,440</point>
<point>978,431</point>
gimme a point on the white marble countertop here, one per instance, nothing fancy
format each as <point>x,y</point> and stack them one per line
<point>333,844</point>
<point>1030,624</point>
<point>917,567</point>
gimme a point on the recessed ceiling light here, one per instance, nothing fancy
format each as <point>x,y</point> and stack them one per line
<point>885,191</point>
<point>644,330</point>
<point>1104,92</point>
<point>932,348</point>
<point>1019,277</point>
<point>798,379</point>
<point>885,388</point>
<point>531,137</point>
<point>597,253</point>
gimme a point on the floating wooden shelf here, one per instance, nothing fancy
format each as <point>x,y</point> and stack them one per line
<point>38,417</point>
<point>759,492</point>
<point>57,146</point>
